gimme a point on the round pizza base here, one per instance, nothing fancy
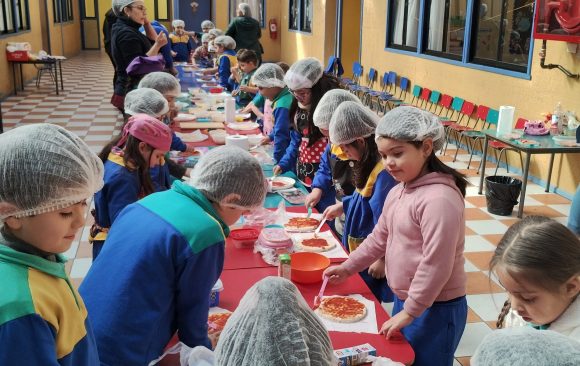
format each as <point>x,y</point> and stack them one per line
<point>301,229</point>
<point>307,248</point>
<point>353,319</point>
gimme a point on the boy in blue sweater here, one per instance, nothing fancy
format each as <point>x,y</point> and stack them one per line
<point>225,61</point>
<point>181,43</point>
<point>165,252</point>
<point>48,173</point>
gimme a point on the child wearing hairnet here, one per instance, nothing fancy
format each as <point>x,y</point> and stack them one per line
<point>526,346</point>
<point>165,253</point>
<point>421,235</point>
<point>352,128</point>
<point>201,54</point>
<point>333,179</point>
<point>128,160</point>
<point>226,59</point>
<point>269,78</point>
<point>307,82</point>
<point>47,174</point>
<point>181,43</point>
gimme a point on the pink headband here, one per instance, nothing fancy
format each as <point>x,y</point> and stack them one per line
<point>149,130</point>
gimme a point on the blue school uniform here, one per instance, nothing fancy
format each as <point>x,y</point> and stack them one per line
<point>165,50</point>
<point>122,187</point>
<point>182,45</point>
<point>363,209</point>
<point>226,61</point>
<point>166,252</point>
<point>280,134</point>
<point>43,320</point>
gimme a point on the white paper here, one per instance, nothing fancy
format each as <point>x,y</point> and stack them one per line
<point>505,119</point>
<point>336,252</point>
<point>195,136</point>
<point>230,110</point>
<point>367,325</point>
<point>317,216</point>
<point>217,309</point>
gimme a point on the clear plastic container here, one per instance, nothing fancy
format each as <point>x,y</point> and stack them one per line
<point>244,237</point>
<point>272,242</point>
<point>214,296</point>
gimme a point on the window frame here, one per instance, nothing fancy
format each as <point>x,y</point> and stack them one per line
<point>18,21</point>
<point>233,8</point>
<point>300,16</point>
<point>467,58</point>
<point>64,6</point>
<point>442,54</point>
<point>390,41</point>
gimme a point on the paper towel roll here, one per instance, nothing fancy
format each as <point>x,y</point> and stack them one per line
<point>239,141</point>
<point>230,110</point>
<point>505,119</point>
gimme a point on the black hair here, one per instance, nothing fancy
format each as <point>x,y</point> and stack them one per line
<point>368,161</point>
<point>327,82</point>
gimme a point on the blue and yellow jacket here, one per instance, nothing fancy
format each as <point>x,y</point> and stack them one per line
<point>225,62</point>
<point>333,177</point>
<point>182,45</point>
<point>167,252</point>
<point>43,320</point>
<point>280,134</point>
<point>121,188</point>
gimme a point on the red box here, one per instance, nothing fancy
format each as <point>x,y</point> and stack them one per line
<point>17,56</point>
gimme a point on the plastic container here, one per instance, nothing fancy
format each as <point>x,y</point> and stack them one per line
<point>214,296</point>
<point>307,267</point>
<point>272,242</point>
<point>245,237</point>
<point>501,194</point>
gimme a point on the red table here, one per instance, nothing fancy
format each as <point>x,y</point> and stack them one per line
<point>237,282</point>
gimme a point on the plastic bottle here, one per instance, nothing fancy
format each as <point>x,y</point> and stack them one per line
<point>556,123</point>
<point>284,266</point>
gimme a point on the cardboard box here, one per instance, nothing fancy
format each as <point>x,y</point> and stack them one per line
<point>354,355</point>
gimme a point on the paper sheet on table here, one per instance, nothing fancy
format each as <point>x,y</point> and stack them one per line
<point>366,325</point>
<point>336,252</point>
<point>217,309</point>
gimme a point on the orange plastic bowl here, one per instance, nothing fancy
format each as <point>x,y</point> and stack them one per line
<point>308,267</point>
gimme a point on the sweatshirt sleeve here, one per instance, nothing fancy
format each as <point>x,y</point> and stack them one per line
<point>177,143</point>
<point>440,237</point>
<point>224,72</point>
<point>121,192</point>
<point>281,132</point>
<point>288,161</point>
<point>28,340</point>
<point>196,279</point>
<point>323,176</point>
<point>372,248</point>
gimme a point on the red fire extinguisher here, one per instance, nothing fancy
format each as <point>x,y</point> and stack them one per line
<point>273,26</point>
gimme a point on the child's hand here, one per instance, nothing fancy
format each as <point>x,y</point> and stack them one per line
<point>245,88</point>
<point>313,197</point>
<point>377,269</point>
<point>277,170</point>
<point>190,149</point>
<point>336,274</point>
<point>235,92</point>
<point>265,141</point>
<point>173,53</point>
<point>333,211</point>
<point>397,322</point>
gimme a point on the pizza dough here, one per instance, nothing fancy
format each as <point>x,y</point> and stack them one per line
<point>342,309</point>
<point>312,244</point>
<point>216,323</point>
<point>302,224</point>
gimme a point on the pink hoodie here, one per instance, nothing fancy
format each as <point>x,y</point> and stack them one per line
<point>421,233</point>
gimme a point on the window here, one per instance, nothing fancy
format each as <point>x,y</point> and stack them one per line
<point>257,7</point>
<point>445,28</point>
<point>14,16</point>
<point>63,11</point>
<point>503,33</point>
<point>300,15</point>
<point>497,33</point>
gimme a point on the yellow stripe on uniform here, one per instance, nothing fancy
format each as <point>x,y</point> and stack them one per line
<point>367,191</point>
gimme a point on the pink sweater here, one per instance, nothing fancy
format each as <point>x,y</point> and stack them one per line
<point>421,233</point>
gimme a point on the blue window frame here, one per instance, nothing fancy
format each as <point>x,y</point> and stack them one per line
<point>300,15</point>
<point>492,35</point>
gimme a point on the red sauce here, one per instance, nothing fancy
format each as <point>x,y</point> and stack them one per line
<point>319,243</point>
<point>220,320</point>
<point>343,307</point>
<point>278,184</point>
<point>303,221</point>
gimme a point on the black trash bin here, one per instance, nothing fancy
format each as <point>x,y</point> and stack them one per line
<point>501,194</point>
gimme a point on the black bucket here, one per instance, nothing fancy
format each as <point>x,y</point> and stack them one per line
<point>501,194</point>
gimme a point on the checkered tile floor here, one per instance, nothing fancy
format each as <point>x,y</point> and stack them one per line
<point>85,109</point>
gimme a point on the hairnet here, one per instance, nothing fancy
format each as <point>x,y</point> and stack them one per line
<point>269,76</point>
<point>328,104</point>
<point>149,130</point>
<point>147,101</point>
<point>411,124</point>
<point>163,82</point>
<point>216,32</point>
<point>303,74</point>
<point>229,170</point>
<point>525,346</point>
<point>119,5</point>
<point>178,23</point>
<point>204,37</point>
<point>44,168</point>
<point>245,9</point>
<point>207,24</point>
<point>226,41</point>
<point>350,121</point>
<point>273,325</point>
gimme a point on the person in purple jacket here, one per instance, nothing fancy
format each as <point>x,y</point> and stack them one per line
<point>421,235</point>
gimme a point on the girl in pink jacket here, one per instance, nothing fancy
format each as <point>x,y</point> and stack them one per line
<point>421,234</point>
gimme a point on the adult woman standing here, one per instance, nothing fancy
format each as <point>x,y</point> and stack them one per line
<point>127,43</point>
<point>246,31</point>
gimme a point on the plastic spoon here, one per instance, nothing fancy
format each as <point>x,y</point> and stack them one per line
<point>309,212</point>
<point>317,231</point>
<point>318,298</point>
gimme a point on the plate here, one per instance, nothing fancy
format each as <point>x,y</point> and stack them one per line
<point>280,183</point>
<point>243,116</point>
<point>243,126</point>
<point>184,117</point>
<point>196,136</point>
<point>562,140</point>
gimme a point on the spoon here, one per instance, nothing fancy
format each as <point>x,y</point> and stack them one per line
<point>318,298</point>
